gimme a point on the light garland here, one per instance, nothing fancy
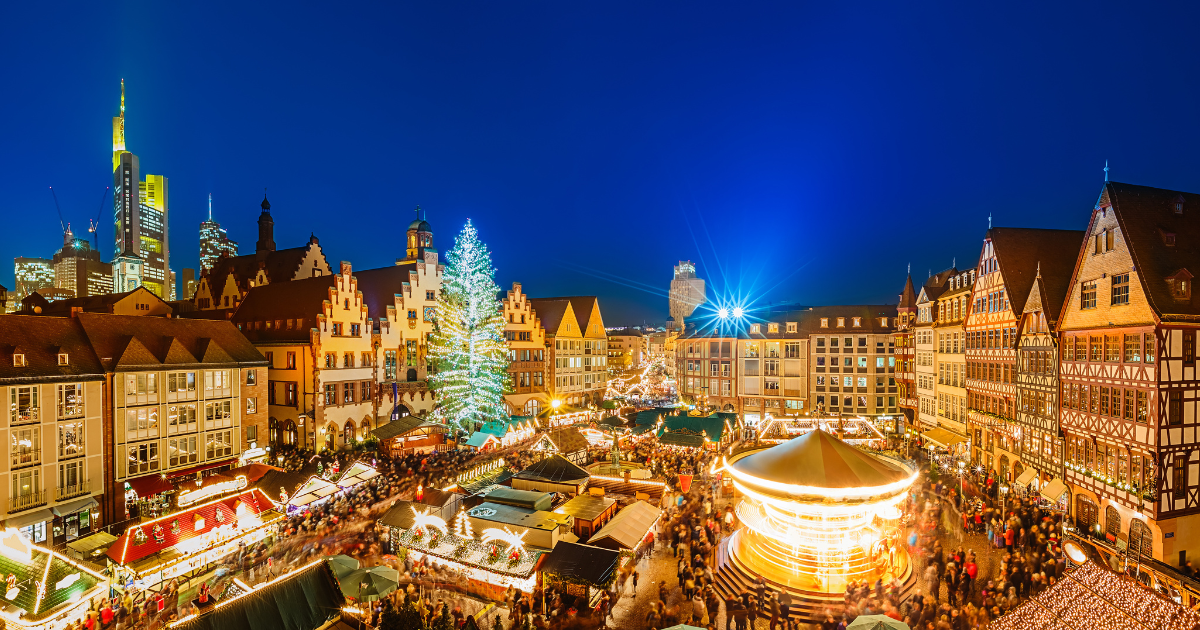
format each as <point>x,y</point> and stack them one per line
<point>467,344</point>
<point>1097,599</point>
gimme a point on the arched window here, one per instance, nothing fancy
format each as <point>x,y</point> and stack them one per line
<point>1112,521</point>
<point>348,433</point>
<point>272,430</point>
<point>289,432</point>
<point>1086,513</point>
<point>533,407</point>
<point>1141,539</point>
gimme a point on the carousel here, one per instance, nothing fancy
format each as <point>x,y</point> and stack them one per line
<point>818,514</point>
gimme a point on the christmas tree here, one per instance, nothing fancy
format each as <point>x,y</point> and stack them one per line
<point>467,345</point>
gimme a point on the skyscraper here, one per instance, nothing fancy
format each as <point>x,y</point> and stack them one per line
<point>687,292</point>
<point>32,274</point>
<point>141,255</point>
<point>78,268</point>
<point>214,241</point>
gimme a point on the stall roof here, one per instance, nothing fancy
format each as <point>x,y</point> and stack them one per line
<point>275,480</point>
<point>681,439</point>
<point>509,515</point>
<point>480,484</point>
<point>357,473</point>
<point>314,489</point>
<point>1027,475</point>
<point>400,515</point>
<point>567,440</point>
<point>555,468</point>
<point>942,437</point>
<point>44,569</point>
<point>126,550</point>
<point>586,507</point>
<point>594,565</point>
<point>402,425</point>
<point>304,600</point>
<point>1053,490</point>
<point>150,485</point>
<point>527,499</point>
<point>88,544</point>
<point>629,526</point>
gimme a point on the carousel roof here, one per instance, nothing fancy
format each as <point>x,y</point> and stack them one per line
<point>820,460</point>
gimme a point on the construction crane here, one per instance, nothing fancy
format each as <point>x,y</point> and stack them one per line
<point>66,230</point>
<point>94,226</point>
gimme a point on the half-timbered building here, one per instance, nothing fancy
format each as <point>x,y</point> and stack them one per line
<point>1129,380</point>
<point>902,338</point>
<point>1040,447</point>
<point>1007,268</point>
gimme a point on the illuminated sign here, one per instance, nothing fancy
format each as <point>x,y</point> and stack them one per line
<point>16,546</point>
<point>67,581</point>
<point>189,497</point>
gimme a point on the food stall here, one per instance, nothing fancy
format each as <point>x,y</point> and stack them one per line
<point>43,589</point>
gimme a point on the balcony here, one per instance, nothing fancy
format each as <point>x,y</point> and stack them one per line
<point>28,415</point>
<point>27,457</point>
<point>23,502</point>
<point>62,493</point>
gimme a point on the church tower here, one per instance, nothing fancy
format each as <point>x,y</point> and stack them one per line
<point>420,239</point>
<point>266,230</point>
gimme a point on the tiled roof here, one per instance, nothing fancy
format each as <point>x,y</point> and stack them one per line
<point>298,299</point>
<point>908,296</point>
<point>40,339</point>
<point>568,440</point>
<point>1018,251</point>
<point>583,305</point>
<point>90,304</point>
<point>380,287</point>
<point>550,312</point>
<point>555,468</point>
<point>868,313</point>
<point>281,265</point>
<point>1144,214</point>
<point>128,341</point>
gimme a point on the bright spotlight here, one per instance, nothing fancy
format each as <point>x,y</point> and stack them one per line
<point>723,312</point>
<point>737,311</point>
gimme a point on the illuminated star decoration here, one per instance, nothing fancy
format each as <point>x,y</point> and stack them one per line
<point>515,542</point>
<point>426,520</point>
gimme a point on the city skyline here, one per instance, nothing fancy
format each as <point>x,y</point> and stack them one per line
<point>816,141</point>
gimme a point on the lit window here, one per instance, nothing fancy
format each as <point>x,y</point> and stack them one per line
<point>62,358</point>
<point>841,322</point>
<point>824,322</point>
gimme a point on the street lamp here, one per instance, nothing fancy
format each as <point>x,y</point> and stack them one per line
<point>1003,494</point>
<point>961,473</point>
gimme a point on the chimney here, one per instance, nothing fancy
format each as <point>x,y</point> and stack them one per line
<point>345,269</point>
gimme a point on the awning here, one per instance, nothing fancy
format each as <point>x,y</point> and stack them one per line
<point>74,506</point>
<point>943,438</point>
<point>28,518</point>
<point>195,469</point>
<point>92,545</point>
<point>1053,490</point>
<point>150,485</point>
<point>314,489</point>
<point>356,474</point>
<point>1027,475</point>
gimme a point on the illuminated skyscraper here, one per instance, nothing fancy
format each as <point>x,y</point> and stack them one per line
<point>141,254</point>
<point>78,268</point>
<point>214,242</point>
<point>32,274</point>
<point>687,292</point>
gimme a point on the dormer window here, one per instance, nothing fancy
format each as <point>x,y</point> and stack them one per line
<point>1180,284</point>
<point>772,328</point>
<point>18,360</point>
<point>62,358</point>
<point>754,328</point>
<point>841,322</point>
<point>791,327</point>
<point>1168,238</point>
<point>883,321</point>
<point>824,322</point>
<point>1178,202</point>
<point>857,322</point>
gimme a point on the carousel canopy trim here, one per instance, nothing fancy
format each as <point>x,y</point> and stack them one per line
<point>314,489</point>
<point>1095,598</point>
<point>820,460</point>
<point>143,540</point>
<point>943,438</point>
<point>357,473</point>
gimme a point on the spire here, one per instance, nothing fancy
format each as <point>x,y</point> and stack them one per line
<point>210,207</point>
<point>118,131</point>
<point>123,98</point>
<point>989,220</point>
<point>1105,170</point>
<point>908,297</point>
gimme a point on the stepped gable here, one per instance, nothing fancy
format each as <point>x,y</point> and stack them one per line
<point>818,459</point>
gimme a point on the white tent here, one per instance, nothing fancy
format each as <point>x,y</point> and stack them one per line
<point>314,489</point>
<point>356,474</point>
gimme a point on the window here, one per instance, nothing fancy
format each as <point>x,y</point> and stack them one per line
<point>218,444</point>
<point>251,377</point>
<point>71,479</point>
<point>1179,477</point>
<point>18,360</point>
<point>824,322</point>
<point>251,405</point>
<point>857,322</point>
<point>252,433</point>
<point>366,360</point>
<point>216,383</point>
<point>348,392</point>
<point>1175,407</point>
<point>791,327</point>
<point>183,451</point>
<point>1120,289</point>
<point>862,381</point>
<point>337,329</point>
<point>291,361</point>
<point>218,415</point>
<point>330,394</point>
<point>181,419</point>
<point>142,458</point>
<point>181,386</point>
<point>1148,347</point>
<point>70,400</point>
<point>70,439</point>
<point>271,357</point>
<point>330,359</point>
<point>1087,295</point>
<point>841,322</point>
<point>791,350</point>
<point>366,390</point>
<point>26,446</point>
<point>862,362</point>
<point>429,295</point>
<point>1112,348</point>
<point>1133,351</point>
<point>62,358</point>
<point>289,394</point>
<point>772,327</point>
<point>348,360</point>
<point>141,388</point>
<point>141,424</point>
<point>1189,345</point>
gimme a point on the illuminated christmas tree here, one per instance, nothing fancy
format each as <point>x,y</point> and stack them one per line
<point>462,526</point>
<point>467,346</point>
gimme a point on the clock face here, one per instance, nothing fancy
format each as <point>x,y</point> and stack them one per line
<point>430,313</point>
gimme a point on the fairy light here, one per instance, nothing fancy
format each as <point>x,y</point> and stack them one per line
<point>1098,599</point>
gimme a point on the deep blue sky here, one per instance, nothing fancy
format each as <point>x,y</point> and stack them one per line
<point>843,140</point>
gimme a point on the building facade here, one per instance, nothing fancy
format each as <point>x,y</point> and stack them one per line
<point>141,254</point>
<point>527,351</point>
<point>773,366</point>
<point>627,348</point>
<point>577,349</point>
<point>904,343</point>
<point>78,268</point>
<point>32,274</point>
<point>950,353</point>
<point>687,292</point>
<point>706,369</point>
<point>852,360</point>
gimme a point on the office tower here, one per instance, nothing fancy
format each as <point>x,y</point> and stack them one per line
<point>78,268</point>
<point>189,283</point>
<point>687,292</point>
<point>141,255</point>
<point>214,242</point>
<point>32,274</point>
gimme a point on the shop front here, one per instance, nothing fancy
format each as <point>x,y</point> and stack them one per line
<point>151,496</point>
<point>75,520</point>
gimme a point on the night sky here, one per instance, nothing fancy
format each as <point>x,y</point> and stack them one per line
<point>796,153</point>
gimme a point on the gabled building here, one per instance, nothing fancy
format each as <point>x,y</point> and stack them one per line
<point>1007,268</point>
<point>226,284</point>
<point>627,348</point>
<point>905,344</point>
<point>527,348</point>
<point>1128,374</point>
<point>1038,387</point>
<point>140,302</point>
<point>577,346</point>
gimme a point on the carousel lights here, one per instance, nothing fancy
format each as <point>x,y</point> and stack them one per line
<point>836,494</point>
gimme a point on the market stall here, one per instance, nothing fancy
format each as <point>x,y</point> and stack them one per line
<point>313,490</point>
<point>190,540</point>
<point>44,590</point>
<point>357,473</point>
